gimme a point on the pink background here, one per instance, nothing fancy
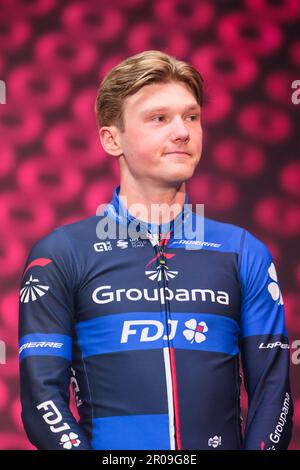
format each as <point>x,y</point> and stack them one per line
<point>54,171</point>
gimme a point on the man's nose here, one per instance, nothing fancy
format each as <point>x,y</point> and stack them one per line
<point>179,129</point>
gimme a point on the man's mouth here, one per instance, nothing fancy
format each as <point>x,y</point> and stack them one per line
<point>178,152</point>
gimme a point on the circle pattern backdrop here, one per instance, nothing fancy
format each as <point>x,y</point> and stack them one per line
<point>53,170</point>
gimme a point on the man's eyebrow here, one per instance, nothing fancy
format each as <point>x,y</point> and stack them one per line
<point>192,107</point>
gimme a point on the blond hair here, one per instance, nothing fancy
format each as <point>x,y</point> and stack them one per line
<point>137,71</point>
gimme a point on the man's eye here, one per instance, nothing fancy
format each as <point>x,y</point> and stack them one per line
<point>158,118</point>
<point>194,117</point>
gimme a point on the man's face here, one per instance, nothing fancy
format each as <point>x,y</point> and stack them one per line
<point>162,142</point>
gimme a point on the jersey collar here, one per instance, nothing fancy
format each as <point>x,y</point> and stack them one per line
<point>119,212</point>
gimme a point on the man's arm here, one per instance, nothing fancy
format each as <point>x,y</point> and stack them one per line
<point>265,350</point>
<point>45,340</point>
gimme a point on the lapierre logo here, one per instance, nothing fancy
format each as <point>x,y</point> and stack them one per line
<point>105,294</point>
<point>153,330</point>
<point>276,435</point>
<point>40,344</point>
<point>277,344</point>
<point>199,243</point>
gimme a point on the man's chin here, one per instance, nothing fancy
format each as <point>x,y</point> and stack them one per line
<point>176,180</point>
<point>181,174</point>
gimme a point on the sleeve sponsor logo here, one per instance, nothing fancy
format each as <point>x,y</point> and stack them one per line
<point>69,440</point>
<point>273,287</point>
<point>276,344</point>
<point>53,417</point>
<point>40,344</point>
<point>32,290</point>
<point>276,435</point>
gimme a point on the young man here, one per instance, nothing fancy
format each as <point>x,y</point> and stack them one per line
<point>148,331</point>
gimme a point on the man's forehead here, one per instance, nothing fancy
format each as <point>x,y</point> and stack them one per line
<point>156,97</point>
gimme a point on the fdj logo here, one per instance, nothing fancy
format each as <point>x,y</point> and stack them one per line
<point>53,416</point>
<point>153,330</point>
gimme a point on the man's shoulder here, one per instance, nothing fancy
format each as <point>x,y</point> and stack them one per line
<point>81,229</point>
<point>225,235</point>
<point>222,227</point>
<point>68,237</point>
<point>233,236</point>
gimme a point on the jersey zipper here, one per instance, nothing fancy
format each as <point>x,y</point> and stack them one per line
<point>169,351</point>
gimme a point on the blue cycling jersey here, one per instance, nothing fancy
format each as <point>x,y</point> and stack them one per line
<point>151,331</point>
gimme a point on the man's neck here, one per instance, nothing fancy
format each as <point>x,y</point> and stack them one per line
<point>155,204</point>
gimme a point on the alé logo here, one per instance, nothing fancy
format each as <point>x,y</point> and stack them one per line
<point>156,274</point>
<point>153,330</point>
<point>32,289</point>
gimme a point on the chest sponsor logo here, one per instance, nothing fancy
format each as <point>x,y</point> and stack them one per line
<point>153,330</point>
<point>105,295</point>
<point>157,272</point>
<point>135,243</point>
<point>156,275</point>
<point>102,246</point>
<point>122,244</point>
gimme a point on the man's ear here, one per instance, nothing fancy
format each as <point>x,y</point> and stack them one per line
<point>109,137</point>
